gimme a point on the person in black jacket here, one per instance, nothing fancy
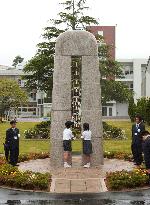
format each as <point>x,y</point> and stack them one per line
<point>12,143</point>
<point>136,145</point>
<point>146,149</point>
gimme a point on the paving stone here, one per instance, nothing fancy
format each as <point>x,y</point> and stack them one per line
<point>93,185</point>
<point>77,179</point>
<point>78,186</point>
<point>62,185</point>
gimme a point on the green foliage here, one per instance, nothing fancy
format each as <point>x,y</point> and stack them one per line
<point>142,108</point>
<point>132,109</point>
<point>11,176</point>
<point>147,116</point>
<point>124,180</point>
<point>112,132</point>
<point>40,131</point>
<point>33,156</point>
<point>114,90</point>
<point>11,95</point>
<point>18,59</point>
<point>118,155</point>
<point>73,15</point>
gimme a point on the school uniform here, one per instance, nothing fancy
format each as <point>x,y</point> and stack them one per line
<point>12,143</point>
<point>136,145</point>
<point>146,151</point>
<point>87,145</point>
<point>67,137</point>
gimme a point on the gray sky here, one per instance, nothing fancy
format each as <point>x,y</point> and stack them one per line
<point>22,21</point>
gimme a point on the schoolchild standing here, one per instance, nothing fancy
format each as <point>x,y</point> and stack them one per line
<point>67,138</point>
<point>87,145</point>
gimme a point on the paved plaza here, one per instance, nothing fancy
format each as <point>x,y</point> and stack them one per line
<point>77,179</point>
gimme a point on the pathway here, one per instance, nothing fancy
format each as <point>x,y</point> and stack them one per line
<point>77,179</point>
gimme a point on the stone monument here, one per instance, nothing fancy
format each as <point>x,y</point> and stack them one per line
<point>82,44</point>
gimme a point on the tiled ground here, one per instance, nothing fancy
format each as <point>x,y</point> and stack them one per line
<point>77,179</point>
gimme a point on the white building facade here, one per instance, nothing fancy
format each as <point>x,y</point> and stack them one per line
<point>38,104</point>
<point>134,77</point>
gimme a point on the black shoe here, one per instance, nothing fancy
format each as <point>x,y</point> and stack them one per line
<point>137,164</point>
<point>14,165</point>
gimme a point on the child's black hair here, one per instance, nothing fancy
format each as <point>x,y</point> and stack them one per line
<point>68,124</point>
<point>86,126</point>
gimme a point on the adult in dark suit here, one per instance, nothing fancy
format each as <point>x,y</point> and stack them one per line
<point>146,149</point>
<point>136,145</point>
<point>12,143</point>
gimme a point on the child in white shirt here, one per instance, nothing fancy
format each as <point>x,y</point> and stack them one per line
<point>67,137</point>
<point>87,145</point>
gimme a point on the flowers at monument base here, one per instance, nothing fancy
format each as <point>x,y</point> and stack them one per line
<point>40,131</point>
<point>118,155</point>
<point>12,177</point>
<point>33,156</point>
<point>121,180</point>
<point>2,161</point>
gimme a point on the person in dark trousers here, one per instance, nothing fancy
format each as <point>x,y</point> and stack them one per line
<point>6,150</point>
<point>136,145</point>
<point>87,145</point>
<point>12,143</point>
<point>67,137</point>
<point>146,148</point>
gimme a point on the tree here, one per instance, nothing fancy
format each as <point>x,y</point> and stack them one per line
<point>42,64</point>
<point>141,107</point>
<point>147,117</point>
<point>18,59</point>
<point>11,95</point>
<point>132,109</point>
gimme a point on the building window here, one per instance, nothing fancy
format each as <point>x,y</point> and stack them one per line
<point>110,111</point>
<point>40,101</point>
<point>131,86</point>
<point>128,70</point>
<point>33,96</point>
<point>19,82</point>
<point>104,111</point>
<point>24,109</point>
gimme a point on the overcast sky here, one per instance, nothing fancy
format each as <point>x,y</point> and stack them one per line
<point>22,21</point>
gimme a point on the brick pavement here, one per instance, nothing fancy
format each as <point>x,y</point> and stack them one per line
<point>77,179</point>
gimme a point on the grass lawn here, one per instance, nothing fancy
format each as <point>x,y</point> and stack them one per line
<point>27,146</point>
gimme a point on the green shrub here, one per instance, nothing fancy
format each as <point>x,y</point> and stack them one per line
<point>127,179</point>
<point>11,176</point>
<point>142,108</point>
<point>111,132</point>
<point>76,132</point>
<point>40,131</point>
<point>118,155</point>
<point>33,156</point>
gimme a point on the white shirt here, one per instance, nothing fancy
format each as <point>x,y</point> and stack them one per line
<point>67,134</point>
<point>87,135</point>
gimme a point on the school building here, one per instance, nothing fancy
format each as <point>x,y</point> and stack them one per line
<point>38,104</point>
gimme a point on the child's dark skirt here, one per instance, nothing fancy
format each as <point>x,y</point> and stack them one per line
<point>67,145</point>
<point>87,147</point>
